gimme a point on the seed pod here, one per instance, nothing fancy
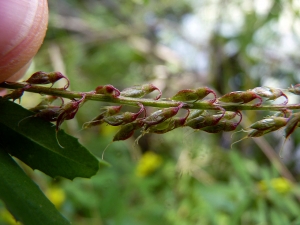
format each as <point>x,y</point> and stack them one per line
<point>194,94</point>
<point>124,118</point>
<point>162,115</point>
<point>240,97</point>
<point>295,89</point>
<point>140,91</point>
<point>41,77</point>
<point>69,111</point>
<point>107,90</point>
<point>270,123</point>
<point>168,125</point>
<point>127,130</point>
<point>98,120</point>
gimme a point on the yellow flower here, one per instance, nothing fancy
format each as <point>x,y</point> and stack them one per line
<point>6,217</point>
<point>280,185</point>
<point>56,195</point>
<point>149,162</point>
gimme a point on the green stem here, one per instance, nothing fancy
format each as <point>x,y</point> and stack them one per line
<point>146,102</point>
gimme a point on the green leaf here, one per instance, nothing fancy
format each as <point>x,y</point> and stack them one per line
<point>33,141</point>
<point>23,198</point>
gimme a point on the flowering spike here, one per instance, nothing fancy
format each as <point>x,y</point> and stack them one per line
<point>107,90</point>
<point>41,77</point>
<point>140,91</point>
<point>194,94</point>
<point>162,115</point>
<point>240,97</point>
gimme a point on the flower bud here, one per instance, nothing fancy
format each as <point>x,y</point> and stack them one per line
<point>16,94</point>
<point>270,93</point>
<point>270,123</point>
<point>69,111</point>
<point>162,115</point>
<point>195,113</point>
<point>47,78</point>
<point>194,94</point>
<point>168,125</point>
<point>291,125</point>
<point>140,91</point>
<point>107,90</point>
<point>127,130</point>
<point>240,97</point>
<point>295,89</point>
<point>204,121</point>
<point>98,120</point>
<point>124,118</point>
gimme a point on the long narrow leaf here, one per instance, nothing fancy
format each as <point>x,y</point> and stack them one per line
<point>33,142</point>
<point>23,197</point>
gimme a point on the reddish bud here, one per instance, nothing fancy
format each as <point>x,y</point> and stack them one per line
<point>98,120</point>
<point>224,125</point>
<point>140,91</point>
<point>273,123</point>
<point>295,89</point>
<point>240,97</point>
<point>47,78</point>
<point>107,90</point>
<point>69,111</point>
<point>124,118</point>
<point>127,130</point>
<point>168,125</point>
<point>16,94</point>
<point>194,94</point>
<point>162,115</point>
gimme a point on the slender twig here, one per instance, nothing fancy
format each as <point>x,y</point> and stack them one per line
<point>146,102</point>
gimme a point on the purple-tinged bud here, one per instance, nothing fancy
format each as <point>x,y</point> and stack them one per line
<point>162,115</point>
<point>107,90</point>
<point>69,111</point>
<point>41,77</point>
<point>127,130</point>
<point>194,94</point>
<point>295,89</point>
<point>98,120</point>
<point>240,97</point>
<point>223,125</point>
<point>16,94</point>
<point>124,118</point>
<point>140,91</point>
<point>270,93</point>
<point>291,125</point>
<point>273,123</point>
<point>195,113</point>
<point>168,125</point>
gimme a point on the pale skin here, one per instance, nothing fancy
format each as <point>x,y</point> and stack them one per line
<point>23,25</point>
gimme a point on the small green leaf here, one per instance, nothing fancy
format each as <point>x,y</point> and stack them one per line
<point>23,198</point>
<point>33,141</point>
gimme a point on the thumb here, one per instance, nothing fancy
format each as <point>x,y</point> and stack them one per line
<point>23,24</point>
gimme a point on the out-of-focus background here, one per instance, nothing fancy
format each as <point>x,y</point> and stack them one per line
<point>182,177</point>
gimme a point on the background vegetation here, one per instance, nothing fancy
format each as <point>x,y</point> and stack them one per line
<point>182,177</point>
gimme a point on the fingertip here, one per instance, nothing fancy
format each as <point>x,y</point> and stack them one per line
<point>25,23</point>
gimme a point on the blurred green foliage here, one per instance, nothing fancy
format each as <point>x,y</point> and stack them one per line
<point>194,177</point>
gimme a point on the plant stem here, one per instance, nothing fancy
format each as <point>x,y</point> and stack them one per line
<point>146,102</point>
